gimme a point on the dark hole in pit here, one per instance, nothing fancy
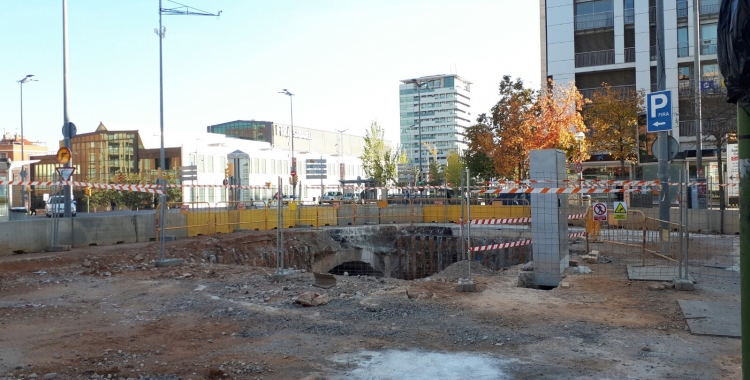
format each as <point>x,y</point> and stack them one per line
<point>546,287</point>
<point>355,268</point>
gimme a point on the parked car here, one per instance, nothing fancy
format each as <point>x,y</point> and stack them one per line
<point>331,196</point>
<point>351,197</point>
<point>56,205</point>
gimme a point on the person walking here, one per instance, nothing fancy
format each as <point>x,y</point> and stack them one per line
<point>113,205</point>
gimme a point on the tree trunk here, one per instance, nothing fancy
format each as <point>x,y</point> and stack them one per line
<point>622,168</point>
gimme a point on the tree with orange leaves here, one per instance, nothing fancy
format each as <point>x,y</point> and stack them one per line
<point>502,136</point>
<point>556,118</point>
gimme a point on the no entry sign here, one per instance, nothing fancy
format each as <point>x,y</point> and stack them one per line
<point>600,211</point>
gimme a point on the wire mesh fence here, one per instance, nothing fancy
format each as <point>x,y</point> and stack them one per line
<point>417,236</point>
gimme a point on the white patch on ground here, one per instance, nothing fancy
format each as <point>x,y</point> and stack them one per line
<point>421,365</point>
<point>200,287</point>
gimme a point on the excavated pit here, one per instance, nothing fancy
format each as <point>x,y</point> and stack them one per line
<point>396,251</point>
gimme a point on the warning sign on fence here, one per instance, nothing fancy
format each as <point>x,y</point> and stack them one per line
<point>600,211</point>
<point>621,211</point>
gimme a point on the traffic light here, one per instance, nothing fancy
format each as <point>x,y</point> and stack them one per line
<point>229,171</point>
<point>293,179</point>
<point>88,191</point>
<point>419,180</point>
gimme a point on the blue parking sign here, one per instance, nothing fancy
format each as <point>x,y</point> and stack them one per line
<point>659,111</point>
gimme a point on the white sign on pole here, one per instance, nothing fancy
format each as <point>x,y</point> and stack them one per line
<point>600,211</point>
<point>733,170</point>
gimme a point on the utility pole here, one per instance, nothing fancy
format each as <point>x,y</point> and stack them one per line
<point>697,75</point>
<point>67,190</point>
<point>419,121</point>
<point>663,168</point>
<point>291,137</point>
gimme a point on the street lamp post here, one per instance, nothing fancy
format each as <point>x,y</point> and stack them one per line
<point>291,111</point>
<point>419,122</point>
<point>26,79</point>
<point>180,10</point>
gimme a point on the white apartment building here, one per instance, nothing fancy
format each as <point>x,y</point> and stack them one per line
<point>614,41</point>
<point>439,108</point>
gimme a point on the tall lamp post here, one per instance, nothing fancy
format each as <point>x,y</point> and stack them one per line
<point>419,84</point>
<point>26,79</point>
<point>291,111</point>
<point>180,10</point>
<point>580,136</point>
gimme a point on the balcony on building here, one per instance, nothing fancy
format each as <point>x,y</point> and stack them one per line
<point>630,54</point>
<point>689,128</point>
<point>683,49</point>
<point>652,52</point>
<point>628,15</point>
<point>595,21</point>
<point>594,15</point>
<point>652,15</point>
<point>595,58</point>
<point>588,93</point>
<point>709,85</point>
<point>708,47</point>
<point>682,8</point>
<point>710,7</point>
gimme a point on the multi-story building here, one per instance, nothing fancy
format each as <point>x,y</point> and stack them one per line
<point>269,148</point>
<point>437,107</point>
<point>100,155</point>
<point>10,147</point>
<point>614,42</point>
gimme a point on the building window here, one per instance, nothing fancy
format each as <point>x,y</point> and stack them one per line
<point>708,39</point>
<point>683,73</point>
<point>211,195</point>
<point>210,164</point>
<point>3,155</point>
<point>273,166</point>
<point>683,43</point>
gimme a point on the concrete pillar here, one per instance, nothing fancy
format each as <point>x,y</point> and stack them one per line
<point>549,221</point>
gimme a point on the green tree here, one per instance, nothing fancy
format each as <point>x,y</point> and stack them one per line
<point>378,160</point>
<point>612,118</point>
<point>454,169</point>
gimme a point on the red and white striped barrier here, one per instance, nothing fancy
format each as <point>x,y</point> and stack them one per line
<point>512,244</point>
<point>517,220</point>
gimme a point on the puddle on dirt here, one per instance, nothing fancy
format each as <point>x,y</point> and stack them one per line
<point>421,365</point>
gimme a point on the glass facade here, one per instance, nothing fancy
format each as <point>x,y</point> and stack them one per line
<point>444,113</point>
<point>244,129</point>
<point>102,155</point>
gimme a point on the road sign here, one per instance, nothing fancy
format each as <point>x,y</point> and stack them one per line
<point>63,156</point>
<point>733,170</point>
<point>579,167</point>
<point>65,172</point>
<point>188,173</point>
<point>316,168</point>
<point>69,130</point>
<point>293,173</point>
<point>600,211</point>
<point>674,147</point>
<point>659,112</point>
<point>621,211</point>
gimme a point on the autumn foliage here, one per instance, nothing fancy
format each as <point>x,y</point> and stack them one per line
<point>524,120</point>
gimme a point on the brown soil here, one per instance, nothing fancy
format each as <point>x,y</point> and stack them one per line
<point>105,310</point>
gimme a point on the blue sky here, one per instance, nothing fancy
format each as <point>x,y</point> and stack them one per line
<point>342,59</point>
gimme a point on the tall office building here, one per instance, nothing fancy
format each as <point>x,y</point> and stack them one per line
<point>614,41</point>
<point>441,120</point>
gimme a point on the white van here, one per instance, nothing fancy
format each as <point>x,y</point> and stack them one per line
<point>332,196</point>
<point>56,205</point>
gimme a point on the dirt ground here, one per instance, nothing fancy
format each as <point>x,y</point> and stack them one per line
<point>106,312</point>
